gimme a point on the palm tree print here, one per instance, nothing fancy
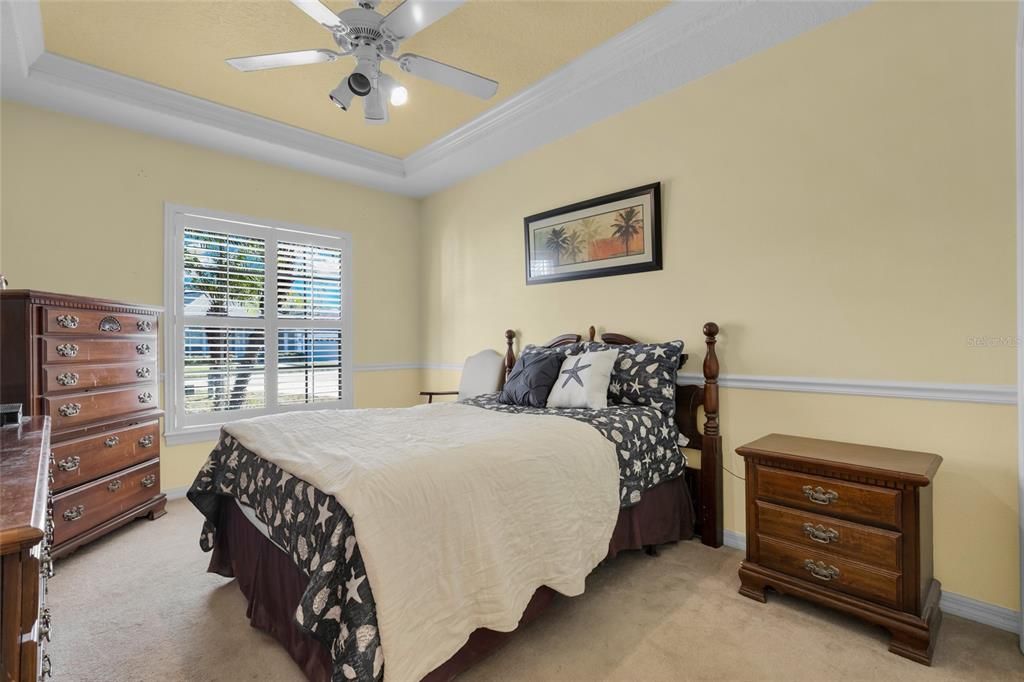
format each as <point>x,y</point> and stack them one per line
<point>627,224</point>
<point>557,242</point>
<point>575,245</point>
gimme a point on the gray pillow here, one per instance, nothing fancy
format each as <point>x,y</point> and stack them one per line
<point>531,379</point>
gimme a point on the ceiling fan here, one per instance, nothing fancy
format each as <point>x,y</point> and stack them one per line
<point>370,37</point>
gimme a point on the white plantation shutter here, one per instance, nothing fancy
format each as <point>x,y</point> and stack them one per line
<point>309,356</point>
<point>259,319</point>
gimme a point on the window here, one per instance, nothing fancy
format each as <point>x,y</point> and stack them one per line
<point>257,320</point>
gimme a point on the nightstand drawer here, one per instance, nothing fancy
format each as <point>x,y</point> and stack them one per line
<point>854,541</point>
<point>831,571</point>
<point>869,504</point>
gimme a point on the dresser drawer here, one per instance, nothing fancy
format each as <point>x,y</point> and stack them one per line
<point>861,543</point>
<point>81,377</point>
<point>876,506</point>
<point>85,459</point>
<point>831,570</point>
<point>96,322</point>
<point>88,506</point>
<point>68,350</point>
<point>80,408</point>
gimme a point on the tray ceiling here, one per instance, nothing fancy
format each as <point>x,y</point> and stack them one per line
<point>183,45</point>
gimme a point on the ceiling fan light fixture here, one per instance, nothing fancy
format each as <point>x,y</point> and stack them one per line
<point>399,96</point>
<point>396,92</point>
<point>342,95</point>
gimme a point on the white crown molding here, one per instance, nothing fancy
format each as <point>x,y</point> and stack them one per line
<point>679,44</point>
<point>965,393</point>
<point>956,604</point>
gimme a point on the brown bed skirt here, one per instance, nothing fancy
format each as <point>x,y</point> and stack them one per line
<point>273,585</point>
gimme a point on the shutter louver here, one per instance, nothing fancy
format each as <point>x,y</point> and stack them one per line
<point>224,369</point>
<point>309,366</point>
<point>308,282</point>
<point>224,274</point>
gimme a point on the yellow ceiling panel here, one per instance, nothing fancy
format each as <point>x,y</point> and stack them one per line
<point>183,45</point>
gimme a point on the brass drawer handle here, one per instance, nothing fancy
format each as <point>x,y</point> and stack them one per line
<point>68,321</point>
<point>44,623</point>
<point>149,481</point>
<point>114,485</point>
<point>69,463</point>
<point>67,378</point>
<point>74,513</point>
<point>45,667</point>
<point>143,372</point>
<point>110,324</point>
<point>146,441</point>
<point>821,534</point>
<point>819,495</point>
<point>144,325</point>
<point>112,441</point>
<point>819,570</point>
<point>143,349</point>
<point>67,350</point>
<point>146,397</point>
<point>69,409</point>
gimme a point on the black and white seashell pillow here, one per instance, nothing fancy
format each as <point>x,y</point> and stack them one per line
<point>644,374</point>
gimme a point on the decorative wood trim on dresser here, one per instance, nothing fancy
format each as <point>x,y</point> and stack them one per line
<point>91,365</point>
<point>847,526</point>
<point>26,530</point>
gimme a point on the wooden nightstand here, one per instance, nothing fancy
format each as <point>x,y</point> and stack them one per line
<point>846,526</point>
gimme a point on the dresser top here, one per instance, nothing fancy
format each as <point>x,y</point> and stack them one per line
<point>24,467</point>
<point>906,465</point>
<point>66,300</point>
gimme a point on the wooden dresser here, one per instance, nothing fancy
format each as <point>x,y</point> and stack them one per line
<point>91,365</point>
<point>25,534</point>
<point>847,526</point>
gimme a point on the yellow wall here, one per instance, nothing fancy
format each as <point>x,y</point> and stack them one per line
<point>82,211</point>
<point>843,205</point>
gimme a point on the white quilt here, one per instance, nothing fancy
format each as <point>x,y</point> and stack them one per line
<point>460,513</point>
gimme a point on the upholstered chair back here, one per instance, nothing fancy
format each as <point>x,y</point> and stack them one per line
<point>482,373</point>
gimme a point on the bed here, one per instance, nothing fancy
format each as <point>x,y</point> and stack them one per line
<point>493,495</point>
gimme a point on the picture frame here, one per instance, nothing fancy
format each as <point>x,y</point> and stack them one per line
<point>614,234</point>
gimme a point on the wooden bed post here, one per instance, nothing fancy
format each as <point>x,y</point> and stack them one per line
<point>711,450</point>
<point>510,356</point>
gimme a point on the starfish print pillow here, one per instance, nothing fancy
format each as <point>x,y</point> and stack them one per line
<point>644,374</point>
<point>583,380</point>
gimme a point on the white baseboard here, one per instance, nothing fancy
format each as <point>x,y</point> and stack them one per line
<point>998,617</point>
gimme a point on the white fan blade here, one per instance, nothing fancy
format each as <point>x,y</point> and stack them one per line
<point>276,61</point>
<point>412,16</point>
<point>463,81</point>
<point>320,13</point>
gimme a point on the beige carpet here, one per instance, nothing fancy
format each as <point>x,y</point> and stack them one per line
<point>138,605</point>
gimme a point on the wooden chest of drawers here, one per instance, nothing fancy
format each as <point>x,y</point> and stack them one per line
<point>91,366</point>
<point>847,526</point>
<point>26,527</point>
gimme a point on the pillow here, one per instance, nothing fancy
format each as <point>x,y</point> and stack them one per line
<point>560,351</point>
<point>644,374</point>
<point>531,379</point>
<point>583,380</point>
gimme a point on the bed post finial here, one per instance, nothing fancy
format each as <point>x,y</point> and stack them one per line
<point>593,333</point>
<point>711,380</point>
<point>711,450</point>
<point>510,356</point>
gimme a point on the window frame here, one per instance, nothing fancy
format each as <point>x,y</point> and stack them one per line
<point>181,428</point>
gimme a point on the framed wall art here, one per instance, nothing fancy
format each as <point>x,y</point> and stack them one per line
<point>615,234</point>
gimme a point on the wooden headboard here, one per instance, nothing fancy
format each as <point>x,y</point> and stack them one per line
<point>706,482</point>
